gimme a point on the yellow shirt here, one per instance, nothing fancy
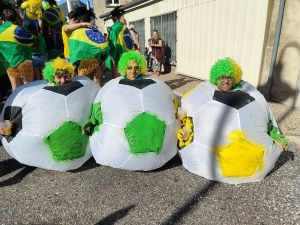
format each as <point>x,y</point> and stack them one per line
<point>65,37</point>
<point>33,12</point>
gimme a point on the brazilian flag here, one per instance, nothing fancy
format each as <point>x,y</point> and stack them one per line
<point>87,43</point>
<point>15,44</point>
<point>54,18</point>
<point>120,41</point>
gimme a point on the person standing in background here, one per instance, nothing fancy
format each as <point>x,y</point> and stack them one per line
<point>134,34</point>
<point>39,57</point>
<point>15,47</point>
<point>120,40</point>
<point>157,51</point>
<point>148,53</point>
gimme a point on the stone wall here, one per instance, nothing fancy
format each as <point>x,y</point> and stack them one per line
<point>285,81</point>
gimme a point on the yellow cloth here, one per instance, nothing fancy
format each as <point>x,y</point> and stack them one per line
<point>65,37</point>
<point>33,12</point>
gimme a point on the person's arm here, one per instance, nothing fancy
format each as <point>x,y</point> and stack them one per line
<point>41,26</point>
<point>71,27</point>
<point>135,40</point>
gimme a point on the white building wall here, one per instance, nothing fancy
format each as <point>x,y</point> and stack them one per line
<point>208,30</point>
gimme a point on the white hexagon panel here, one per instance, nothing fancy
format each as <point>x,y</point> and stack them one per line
<point>47,123</point>
<point>231,143</point>
<point>136,125</point>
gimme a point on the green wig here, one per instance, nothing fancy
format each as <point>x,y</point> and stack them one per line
<point>132,56</point>
<point>225,67</point>
<point>52,66</point>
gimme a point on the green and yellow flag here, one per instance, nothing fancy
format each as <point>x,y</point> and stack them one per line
<point>87,43</point>
<point>120,41</point>
<point>15,44</point>
<point>53,17</point>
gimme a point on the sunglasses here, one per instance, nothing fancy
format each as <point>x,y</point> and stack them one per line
<point>223,78</point>
<point>60,72</point>
<point>133,67</point>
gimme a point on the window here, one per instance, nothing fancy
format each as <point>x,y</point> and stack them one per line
<point>112,2</point>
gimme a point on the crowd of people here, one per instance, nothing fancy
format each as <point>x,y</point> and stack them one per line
<point>87,52</point>
<point>29,33</point>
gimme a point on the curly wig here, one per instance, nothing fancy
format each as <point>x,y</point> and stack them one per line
<point>52,66</point>
<point>87,66</point>
<point>129,57</point>
<point>227,67</point>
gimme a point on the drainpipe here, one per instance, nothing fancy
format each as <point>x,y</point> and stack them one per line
<point>275,49</point>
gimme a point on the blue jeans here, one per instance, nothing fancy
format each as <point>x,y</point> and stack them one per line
<point>38,61</point>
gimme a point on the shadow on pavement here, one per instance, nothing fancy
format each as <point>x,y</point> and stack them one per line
<point>194,200</point>
<point>283,158</point>
<point>114,217</point>
<point>177,83</point>
<point>8,166</point>
<point>18,177</point>
<point>174,162</point>
<point>90,164</point>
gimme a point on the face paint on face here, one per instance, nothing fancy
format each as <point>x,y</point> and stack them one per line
<point>62,77</point>
<point>132,70</point>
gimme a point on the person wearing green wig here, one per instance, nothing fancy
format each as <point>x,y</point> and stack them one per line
<point>225,74</point>
<point>132,65</point>
<point>58,72</point>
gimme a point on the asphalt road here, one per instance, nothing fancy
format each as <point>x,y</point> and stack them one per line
<point>95,194</point>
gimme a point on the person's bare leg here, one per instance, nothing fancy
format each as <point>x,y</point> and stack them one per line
<point>15,82</point>
<point>114,72</point>
<point>37,74</point>
<point>41,70</point>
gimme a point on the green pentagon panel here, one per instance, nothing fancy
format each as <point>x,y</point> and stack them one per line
<point>145,133</point>
<point>67,142</point>
<point>96,117</point>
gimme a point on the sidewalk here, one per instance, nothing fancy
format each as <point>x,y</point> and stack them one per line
<point>288,118</point>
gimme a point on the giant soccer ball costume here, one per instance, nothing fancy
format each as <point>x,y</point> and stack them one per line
<point>231,143</point>
<point>136,125</point>
<point>47,124</point>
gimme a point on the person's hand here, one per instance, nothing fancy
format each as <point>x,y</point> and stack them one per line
<point>1,131</point>
<point>281,146</point>
<point>183,143</point>
<point>183,119</point>
<point>11,126</point>
<point>87,25</point>
<point>87,125</point>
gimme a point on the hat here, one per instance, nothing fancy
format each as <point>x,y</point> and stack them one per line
<point>131,26</point>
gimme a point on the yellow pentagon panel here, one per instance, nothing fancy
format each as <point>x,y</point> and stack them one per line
<point>240,158</point>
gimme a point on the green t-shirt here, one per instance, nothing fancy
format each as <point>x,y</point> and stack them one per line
<point>42,46</point>
<point>2,69</point>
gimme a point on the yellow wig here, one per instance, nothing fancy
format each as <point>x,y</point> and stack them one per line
<point>87,66</point>
<point>56,64</point>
